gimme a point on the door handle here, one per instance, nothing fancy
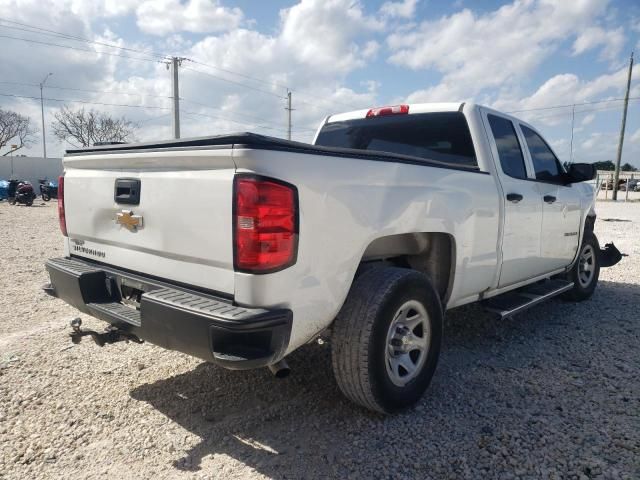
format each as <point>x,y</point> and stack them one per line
<point>514,197</point>
<point>127,191</point>
<point>549,198</point>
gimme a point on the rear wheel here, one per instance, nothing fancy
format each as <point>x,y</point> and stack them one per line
<point>586,271</point>
<point>386,339</point>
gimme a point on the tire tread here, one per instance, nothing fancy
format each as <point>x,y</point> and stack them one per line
<point>353,329</point>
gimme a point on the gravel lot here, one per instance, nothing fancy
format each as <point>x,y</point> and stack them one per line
<point>552,393</point>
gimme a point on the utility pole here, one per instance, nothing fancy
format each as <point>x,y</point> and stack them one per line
<point>573,118</point>
<point>44,139</point>
<point>174,63</point>
<point>289,109</point>
<point>616,178</point>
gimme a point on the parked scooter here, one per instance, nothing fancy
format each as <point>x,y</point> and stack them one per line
<point>48,189</point>
<point>21,191</point>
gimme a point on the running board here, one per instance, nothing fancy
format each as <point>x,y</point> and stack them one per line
<point>516,301</point>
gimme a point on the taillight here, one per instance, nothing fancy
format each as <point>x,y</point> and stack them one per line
<point>265,223</point>
<point>383,111</point>
<point>61,216</point>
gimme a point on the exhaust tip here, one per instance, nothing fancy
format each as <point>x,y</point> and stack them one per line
<point>280,369</point>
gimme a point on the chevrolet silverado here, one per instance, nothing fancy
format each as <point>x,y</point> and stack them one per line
<point>239,249</point>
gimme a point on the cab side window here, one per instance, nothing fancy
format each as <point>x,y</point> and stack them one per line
<point>545,163</point>
<point>508,145</point>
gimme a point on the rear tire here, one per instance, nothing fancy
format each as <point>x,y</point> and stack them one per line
<point>586,271</point>
<point>386,339</point>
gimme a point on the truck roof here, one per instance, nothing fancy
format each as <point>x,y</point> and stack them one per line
<point>413,108</point>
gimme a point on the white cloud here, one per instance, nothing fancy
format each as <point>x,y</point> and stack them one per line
<point>568,88</point>
<point>611,41</point>
<point>312,48</point>
<point>323,33</point>
<point>635,137</point>
<point>317,44</point>
<point>160,17</point>
<point>476,52</point>
<point>403,9</point>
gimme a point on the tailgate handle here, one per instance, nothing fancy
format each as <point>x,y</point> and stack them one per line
<point>127,191</point>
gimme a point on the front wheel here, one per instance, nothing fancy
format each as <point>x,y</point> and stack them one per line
<point>386,339</point>
<point>586,270</point>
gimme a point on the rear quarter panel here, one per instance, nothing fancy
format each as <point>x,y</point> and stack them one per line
<point>347,203</point>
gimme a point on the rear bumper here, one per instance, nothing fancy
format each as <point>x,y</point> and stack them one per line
<point>176,318</point>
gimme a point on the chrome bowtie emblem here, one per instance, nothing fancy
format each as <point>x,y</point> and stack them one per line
<point>128,220</point>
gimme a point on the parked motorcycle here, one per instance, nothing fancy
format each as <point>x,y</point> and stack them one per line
<point>48,189</point>
<point>21,191</point>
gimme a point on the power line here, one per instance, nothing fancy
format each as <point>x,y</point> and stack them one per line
<point>155,56</point>
<point>203,105</point>
<point>259,119</point>
<point>108,92</point>
<point>243,75</point>
<point>571,105</point>
<point>234,82</point>
<point>86,102</point>
<point>79,49</point>
<point>273,84</point>
<point>111,92</point>
<point>587,110</point>
<point>266,127</point>
<point>151,119</point>
<point>154,107</point>
<point>45,31</point>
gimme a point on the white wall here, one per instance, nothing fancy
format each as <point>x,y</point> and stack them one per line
<point>30,168</point>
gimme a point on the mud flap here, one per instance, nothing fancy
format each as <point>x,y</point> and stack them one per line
<point>609,255</point>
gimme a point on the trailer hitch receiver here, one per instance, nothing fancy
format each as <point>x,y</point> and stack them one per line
<point>112,334</point>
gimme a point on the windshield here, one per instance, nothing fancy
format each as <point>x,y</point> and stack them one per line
<point>441,136</point>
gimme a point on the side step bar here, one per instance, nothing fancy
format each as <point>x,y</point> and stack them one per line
<point>511,303</point>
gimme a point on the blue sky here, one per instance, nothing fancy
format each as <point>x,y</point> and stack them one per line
<point>335,55</point>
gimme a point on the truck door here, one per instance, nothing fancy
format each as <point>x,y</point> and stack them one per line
<point>522,203</point>
<point>560,204</point>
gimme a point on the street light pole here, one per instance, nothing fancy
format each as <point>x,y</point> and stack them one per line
<point>44,140</point>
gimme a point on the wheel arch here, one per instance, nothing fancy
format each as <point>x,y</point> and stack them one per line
<point>432,253</point>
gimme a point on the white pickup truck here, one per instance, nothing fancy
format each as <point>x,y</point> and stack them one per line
<point>239,249</point>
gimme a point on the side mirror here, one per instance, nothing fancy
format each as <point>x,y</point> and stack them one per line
<point>581,172</point>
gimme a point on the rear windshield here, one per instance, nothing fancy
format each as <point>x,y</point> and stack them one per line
<point>441,136</point>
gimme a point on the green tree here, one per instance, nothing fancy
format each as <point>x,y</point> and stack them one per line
<point>608,165</point>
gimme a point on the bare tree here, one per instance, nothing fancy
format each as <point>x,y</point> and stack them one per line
<point>86,128</point>
<point>16,129</point>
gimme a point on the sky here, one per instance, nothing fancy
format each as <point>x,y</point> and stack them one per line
<point>242,56</point>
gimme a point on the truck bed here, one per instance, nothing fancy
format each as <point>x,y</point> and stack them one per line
<point>262,142</point>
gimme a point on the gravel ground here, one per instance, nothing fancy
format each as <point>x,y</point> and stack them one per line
<point>552,393</point>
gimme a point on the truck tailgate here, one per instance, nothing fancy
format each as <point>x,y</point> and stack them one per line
<point>185,208</point>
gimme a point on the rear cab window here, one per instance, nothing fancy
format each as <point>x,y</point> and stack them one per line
<point>545,163</point>
<point>508,146</point>
<point>440,136</point>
